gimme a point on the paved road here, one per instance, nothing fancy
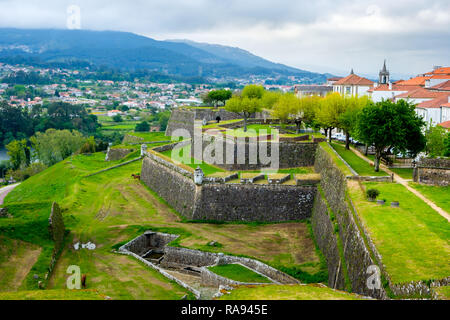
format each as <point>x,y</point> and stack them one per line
<point>405,183</point>
<point>5,190</point>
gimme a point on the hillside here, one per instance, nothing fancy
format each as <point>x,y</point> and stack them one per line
<point>128,51</point>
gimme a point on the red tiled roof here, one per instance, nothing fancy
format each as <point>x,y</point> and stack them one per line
<point>435,103</point>
<point>444,86</point>
<point>395,87</point>
<point>417,81</point>
<point>421,93</point>
<point>445,124</point>
<point>441,76</point>
<point>353,79</point>
<point>445,70</point>
<point>334,79</point>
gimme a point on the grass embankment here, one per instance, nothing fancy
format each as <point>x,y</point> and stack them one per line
<point>413,239</point>
<point>288,292</point>
<point>339,163</point>
<point>239,273</point>
<point>150,136</point>
<point>361,167</point>
<point>439,195</point>
<point>112,207</point>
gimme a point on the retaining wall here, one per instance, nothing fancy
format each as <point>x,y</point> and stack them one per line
<point>433,172</point>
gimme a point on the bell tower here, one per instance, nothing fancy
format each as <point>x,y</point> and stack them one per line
<point>384,75</point>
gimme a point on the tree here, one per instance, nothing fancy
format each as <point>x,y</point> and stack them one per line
<point>216,96</point>
<point>117,118</point>
<point>331,108</point>
<point>253,91</point>
<point>270,98</point>
<point>142,127</point>
<point>56,145</point>
<point>447,145</point>
<point>435,136</point>
<point>391,126</point>
<point>348,119</point>
<point>287,107</point>
<point>243,106</point>
<point>17,151</point>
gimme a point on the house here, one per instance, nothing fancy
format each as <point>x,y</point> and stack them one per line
<point>435,111</point>
<point>312,90</point>
<point>353,85</point>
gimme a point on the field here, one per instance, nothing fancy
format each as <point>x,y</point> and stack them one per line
<point>112,208</point>
<point>239,273</point>
<point>362,167</point>
<point>288,292</point>
<point>404,173</point>
<point>413,239</point>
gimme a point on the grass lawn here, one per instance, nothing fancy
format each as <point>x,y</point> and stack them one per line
<point>52,295</point>
<point>151,136</point>
<point>439,195</point>
<point>111,208</point>
<point>404,173</point>
<point>190,161</point>
<point>413,240</point>
<point>239,273</point>
<point>339,163</point>
<point>288,292</point>
<point>362,167</point>
<point>253,130</point>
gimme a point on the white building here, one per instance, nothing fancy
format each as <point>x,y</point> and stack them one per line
<point>353,85</point>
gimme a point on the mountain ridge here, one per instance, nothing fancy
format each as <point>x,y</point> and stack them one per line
<point>129,51</point>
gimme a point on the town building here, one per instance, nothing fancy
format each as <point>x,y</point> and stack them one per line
<point>353,85</point>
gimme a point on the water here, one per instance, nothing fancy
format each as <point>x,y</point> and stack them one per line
<point>3,154</point>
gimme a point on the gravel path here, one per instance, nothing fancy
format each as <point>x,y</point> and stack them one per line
<point>5,190</point>
<point>404,182</point>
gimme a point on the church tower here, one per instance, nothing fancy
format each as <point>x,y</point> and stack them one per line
<point>384,75</point>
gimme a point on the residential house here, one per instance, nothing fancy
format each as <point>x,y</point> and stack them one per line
<point>353,85</point>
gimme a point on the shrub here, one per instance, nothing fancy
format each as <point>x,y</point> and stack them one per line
<point>89,146</point>
<point>372,194</point>
<point>142,127</point>
<point>23,174</point>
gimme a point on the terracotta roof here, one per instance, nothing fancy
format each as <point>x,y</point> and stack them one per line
<point>441,76</point>
<point>417,81</point>
<point>445,70</point>
<point>353,79</point>
<point>435,103</point>
<point>334,79</point>
<point>447,105</point>
<point>444,86</point>
<point>395,87</point>
<point>445,124</point>
<point>421,93</point>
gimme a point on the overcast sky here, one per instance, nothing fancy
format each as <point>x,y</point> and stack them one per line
<point>321,35</point>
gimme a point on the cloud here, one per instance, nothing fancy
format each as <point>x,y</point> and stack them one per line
<point>323,34</point>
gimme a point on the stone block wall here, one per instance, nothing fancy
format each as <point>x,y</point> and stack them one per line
<point>338,234</point>
<point>290,154</point>
<point>117,154</point>
<point>226,202</point>
<point>433,172</point>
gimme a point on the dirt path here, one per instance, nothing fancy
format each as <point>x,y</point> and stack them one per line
<point>5,190</point>
<point>404,182</point>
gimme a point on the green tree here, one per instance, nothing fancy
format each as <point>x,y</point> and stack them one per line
<point>243,106</point>
<point>447,145</point>
<point>330,111</point>
<point>270,98</point>
<point>253,91</point>
<point>217,96</point>
<point>54,145</point>
<point>348,119</point>
<point>142,127</point>
<point>117,118</point>
<point>390,126</point>
<point>17,151</point>
<point>435,136</point>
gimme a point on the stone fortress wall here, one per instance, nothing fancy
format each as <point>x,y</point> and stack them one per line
<point>433,172</point>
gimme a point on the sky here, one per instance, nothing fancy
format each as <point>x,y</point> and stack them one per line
<point>322,35</point>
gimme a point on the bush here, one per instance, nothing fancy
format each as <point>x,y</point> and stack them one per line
<point>117,118</point>
<point>89,146</point>
<point>372,194</point>
<point>142,127</point>
<point>23,174</point>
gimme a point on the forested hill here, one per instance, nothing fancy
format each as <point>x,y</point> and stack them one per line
<point>128,51</point>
